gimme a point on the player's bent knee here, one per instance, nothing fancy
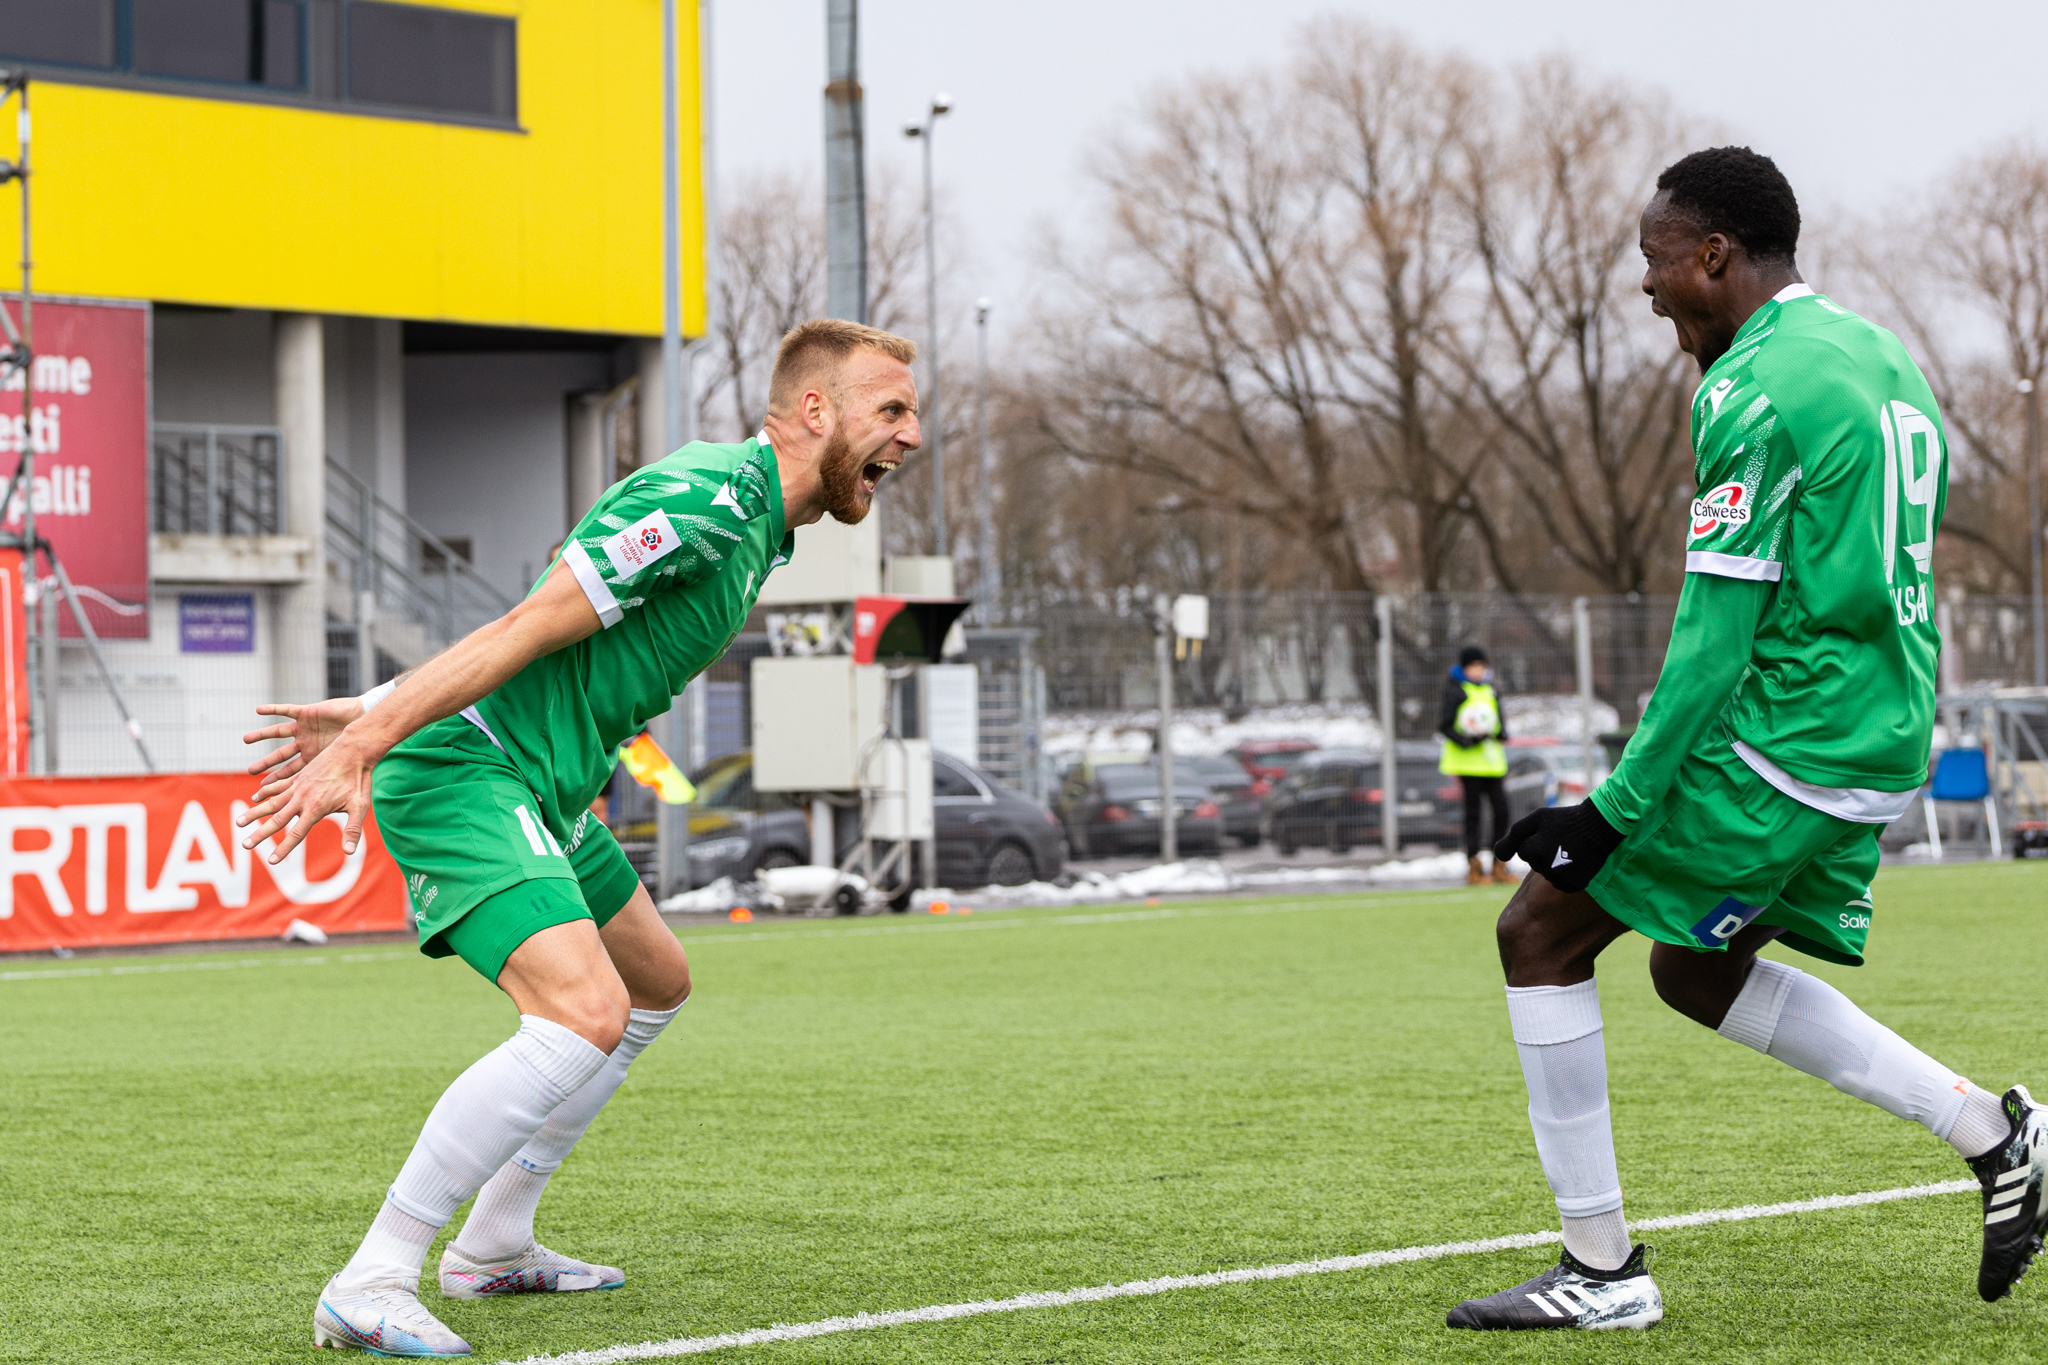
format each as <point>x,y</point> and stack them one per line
<point>671,988</point>
<point>595,1014</point>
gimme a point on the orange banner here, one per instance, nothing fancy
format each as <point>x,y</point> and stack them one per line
<point>91,861</point>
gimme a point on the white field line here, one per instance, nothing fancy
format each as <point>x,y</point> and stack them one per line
<point>792,935</point>
<point>235,964</point>
<point>944,1312</point>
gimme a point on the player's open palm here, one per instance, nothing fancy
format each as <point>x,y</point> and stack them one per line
<point>337,780</point>
<point>305,730</point>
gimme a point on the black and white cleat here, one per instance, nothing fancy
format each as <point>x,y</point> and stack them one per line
<point>1570,1295</point>
<point>2015,1211</point>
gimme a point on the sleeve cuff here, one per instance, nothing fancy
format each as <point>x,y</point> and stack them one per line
<point>609,613</point>
<point>1733,566</point>
<point>376,694</point>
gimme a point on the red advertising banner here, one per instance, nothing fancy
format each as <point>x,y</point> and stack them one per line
<point>13,668</point>
<point>83,410</point>
<point>91,861</point>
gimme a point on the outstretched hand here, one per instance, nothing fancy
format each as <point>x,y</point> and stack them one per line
<point>306,730</point>
<point>314,774</point>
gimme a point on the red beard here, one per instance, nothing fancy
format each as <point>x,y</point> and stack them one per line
<point>839,471</point>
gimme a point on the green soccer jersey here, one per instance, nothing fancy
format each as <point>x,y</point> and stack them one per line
<point>672,560</point>
<point>1820,467</point>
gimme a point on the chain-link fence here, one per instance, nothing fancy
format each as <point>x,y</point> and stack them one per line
<point>1075,691</point>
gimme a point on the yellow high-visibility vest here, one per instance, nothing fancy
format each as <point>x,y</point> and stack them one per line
<point>1478,713</point>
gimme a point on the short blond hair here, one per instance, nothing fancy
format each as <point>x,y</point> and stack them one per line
<point>812,354</point>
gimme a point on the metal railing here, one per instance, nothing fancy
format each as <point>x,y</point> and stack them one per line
<point>216,480</point>
<point>426,594</point>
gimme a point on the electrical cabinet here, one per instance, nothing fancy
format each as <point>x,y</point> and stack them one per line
<point>811,718</point>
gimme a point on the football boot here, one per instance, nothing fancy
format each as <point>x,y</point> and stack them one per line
<point>535,1270</point>
<point>1570,1294</point>
<point>385,1320</point>
<point>2015,1210</point>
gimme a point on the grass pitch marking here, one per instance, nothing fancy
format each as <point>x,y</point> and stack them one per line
<point>1067,1298</point>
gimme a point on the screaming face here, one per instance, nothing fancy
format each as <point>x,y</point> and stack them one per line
<point>850,476</point>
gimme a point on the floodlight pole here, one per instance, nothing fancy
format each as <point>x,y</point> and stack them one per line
<point>929,417</point>
<point>21,357</point>
<point>990,574</point>
<point>2034,528</point>
<point>669,849</point>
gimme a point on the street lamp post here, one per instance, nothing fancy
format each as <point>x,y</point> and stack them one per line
<point>935,436</point>
<point>2034,527</point>
<point>990,577</point>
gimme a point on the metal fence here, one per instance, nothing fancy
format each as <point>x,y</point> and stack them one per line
<point>415,592</point>
<point>216,480</point>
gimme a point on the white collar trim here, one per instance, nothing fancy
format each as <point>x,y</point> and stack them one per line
<point>1792,291</point>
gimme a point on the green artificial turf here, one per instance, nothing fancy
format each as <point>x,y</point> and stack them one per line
<point>886,1114</point>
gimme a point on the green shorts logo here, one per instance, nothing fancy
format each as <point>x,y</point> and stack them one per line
<point>1724,922</point>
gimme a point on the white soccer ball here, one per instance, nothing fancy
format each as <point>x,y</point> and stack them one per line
<point>1476,722</point>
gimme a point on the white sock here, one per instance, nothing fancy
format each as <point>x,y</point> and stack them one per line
<point>500,1223</point>
<point>485,1116</point>
<point>1808,1024</point>
<point>1564,1060</point>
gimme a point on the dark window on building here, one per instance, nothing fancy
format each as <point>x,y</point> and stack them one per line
<point>75,32</point>
<point>397,56</point>
<point>430,59</point>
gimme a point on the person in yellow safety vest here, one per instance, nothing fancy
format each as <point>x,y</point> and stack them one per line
<point>1475,752</point>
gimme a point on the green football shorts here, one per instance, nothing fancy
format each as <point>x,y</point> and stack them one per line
<point>483,870</point>
<point>1725,849</point>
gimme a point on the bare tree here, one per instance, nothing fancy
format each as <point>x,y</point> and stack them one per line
<point>1966,283</point>
<point>772,276</point>
<point>1254,331</point>
<point>1589,392</point>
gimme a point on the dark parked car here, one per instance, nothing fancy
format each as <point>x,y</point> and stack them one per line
<point>986,832</point>
<point>1270,760</point>
<point>1549,772</point>
<point>1117,809</point>
<point>1236,791</point>
<point>1332,800</point>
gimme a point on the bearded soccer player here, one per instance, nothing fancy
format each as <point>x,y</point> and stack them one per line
<point>1791,722</point>
<point>483,764</point>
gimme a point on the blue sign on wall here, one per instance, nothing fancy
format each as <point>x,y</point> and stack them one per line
<point>216,623</point>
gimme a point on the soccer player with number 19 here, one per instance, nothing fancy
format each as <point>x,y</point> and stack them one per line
<point>1791,722</point>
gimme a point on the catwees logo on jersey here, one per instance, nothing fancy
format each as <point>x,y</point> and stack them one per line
<point>1727,505</point>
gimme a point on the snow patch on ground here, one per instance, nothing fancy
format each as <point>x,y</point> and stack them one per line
<point>1205,877</point>
<point>1328,725</point>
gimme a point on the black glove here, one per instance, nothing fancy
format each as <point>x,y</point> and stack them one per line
<point>1567,844</point>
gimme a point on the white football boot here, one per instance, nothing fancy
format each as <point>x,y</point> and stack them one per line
<point>384,1319</point>
<point>535,1270</point>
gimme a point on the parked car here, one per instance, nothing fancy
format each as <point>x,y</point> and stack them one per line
<point>1546,771</point>
<point>1119,809</point>
<point>1332,800</point>
<point>1079,777</point>
<point>986,832</point>
<point>1270,760</point>
<point>1238,793</point>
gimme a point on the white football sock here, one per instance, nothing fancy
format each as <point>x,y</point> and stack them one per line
<point>1808,1024</point>
<point>485,1116</point>
<point>1564,1060</point>
<point>500,1223</point>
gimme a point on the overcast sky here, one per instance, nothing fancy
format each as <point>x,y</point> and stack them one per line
<point>1855,101</point>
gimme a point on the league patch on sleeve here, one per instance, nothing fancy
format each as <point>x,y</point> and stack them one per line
<point>641,544</point>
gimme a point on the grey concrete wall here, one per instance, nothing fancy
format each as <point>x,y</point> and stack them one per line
<point>487,452</point>
<point>212,365</point>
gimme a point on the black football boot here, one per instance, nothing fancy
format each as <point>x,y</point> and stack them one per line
<point>2015,1212</point>
<point>1570,1295</point>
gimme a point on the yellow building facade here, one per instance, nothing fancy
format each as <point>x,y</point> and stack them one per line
<point>402,267</point>
<point>199,191</point>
